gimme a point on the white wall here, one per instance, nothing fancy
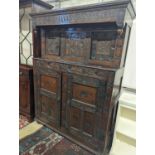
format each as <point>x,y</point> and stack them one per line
<point>130,66</point>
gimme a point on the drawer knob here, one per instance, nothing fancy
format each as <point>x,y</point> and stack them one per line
<point>20,73</point>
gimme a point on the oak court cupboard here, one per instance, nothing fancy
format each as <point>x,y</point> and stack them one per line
<point>79,60</point>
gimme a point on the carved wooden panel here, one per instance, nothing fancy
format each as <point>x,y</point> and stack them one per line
<point>48,107</point>
<point>84,93</point>
<point>75,117</point>
<point>52,42</point>
<point>49,83</point>
<point>75,43</point>
<point>103,44</point>
<point>88,126</point>
<point>85,98</point>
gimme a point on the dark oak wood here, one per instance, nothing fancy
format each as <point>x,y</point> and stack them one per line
<point>26,88</point>
<point>86,104</point>
<point>96,44</point>
<point>120,12</point>
<point>26,91</point>
<point>79,60</point>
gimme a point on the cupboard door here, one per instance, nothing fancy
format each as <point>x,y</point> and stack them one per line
<point>48,96</point>
<point>84,97</point>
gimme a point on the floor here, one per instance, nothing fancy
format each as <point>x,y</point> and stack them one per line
<point>23,121</point>
<point>36,139</point>
<point>26,129</point>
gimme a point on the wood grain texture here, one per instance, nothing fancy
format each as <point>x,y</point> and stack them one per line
<point>48,83</point>
<point>99,44</point>
<point>26,91</point>
<point>84,93</point>
<point>78,70</point>
<point>114,11</point>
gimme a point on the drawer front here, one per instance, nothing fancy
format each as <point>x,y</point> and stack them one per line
<point>83,116</point>
<point>48,95</point>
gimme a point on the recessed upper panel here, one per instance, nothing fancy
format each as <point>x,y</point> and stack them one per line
<point>74,42</point>
<point>103,44</point>
<point>71,43</point>
<point>52,43</point>
<point>92,44</point>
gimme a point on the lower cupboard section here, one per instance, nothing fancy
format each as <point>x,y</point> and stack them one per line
<point>76,105</point>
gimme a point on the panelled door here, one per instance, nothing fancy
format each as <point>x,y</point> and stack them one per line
<point>48,92</point>
<point>84,97</point>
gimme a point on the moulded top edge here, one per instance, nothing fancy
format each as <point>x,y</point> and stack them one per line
<point>102,5</point>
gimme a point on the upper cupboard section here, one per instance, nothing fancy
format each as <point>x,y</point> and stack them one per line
<point>92,44</point>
